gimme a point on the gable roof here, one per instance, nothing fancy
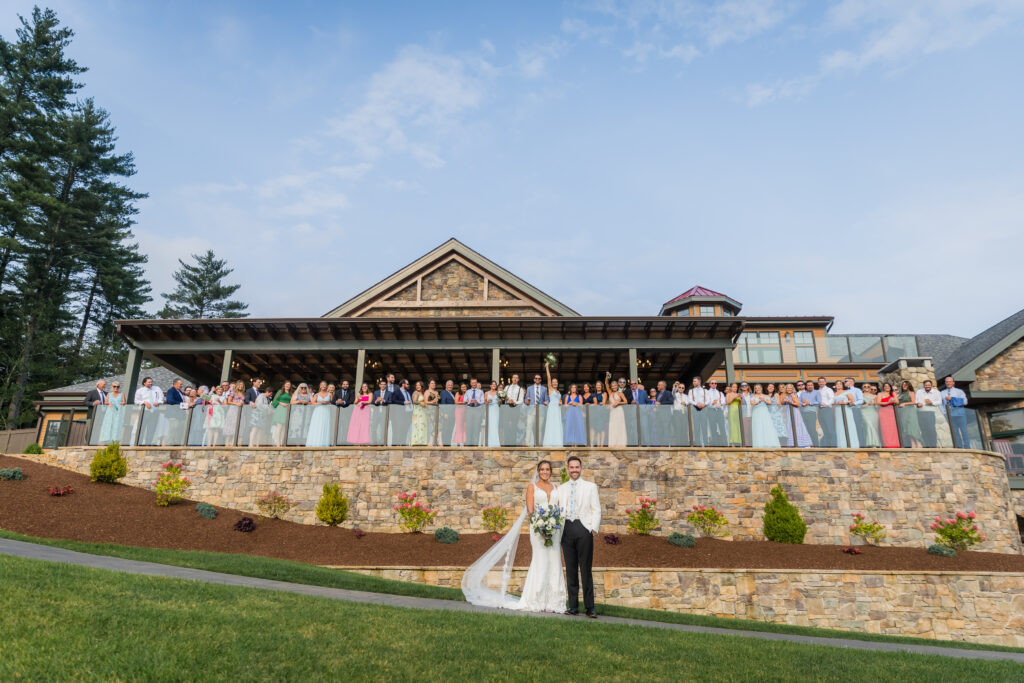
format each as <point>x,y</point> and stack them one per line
<point>695,291</point>
<point>977,351</point>
<point>162,377</point>
<point>451,248</point>
<point>702,293</point>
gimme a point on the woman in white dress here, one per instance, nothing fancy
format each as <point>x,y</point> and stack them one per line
<point>762,427</point>
<point>553,424</point>
<point>616,416</point>
<point>869,416</point>
<point>544,588</point>
<point>492,401</point>
<point>319,434</point>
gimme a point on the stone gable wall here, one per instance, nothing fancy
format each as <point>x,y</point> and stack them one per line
<point>452,282</point>
<point>445,312</point>
<point>902,489</point>
<point>1005,372</point>
<point>978,608</point>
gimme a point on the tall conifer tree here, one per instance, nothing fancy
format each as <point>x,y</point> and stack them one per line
<point>202,292</point>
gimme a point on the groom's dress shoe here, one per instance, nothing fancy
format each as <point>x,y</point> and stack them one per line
<point>591,614</point>
<point>572,612</point>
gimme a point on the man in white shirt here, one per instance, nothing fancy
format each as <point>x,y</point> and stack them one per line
<point>929,401</point>
<point>511,415</point>
<point>581,504</point>
<point>715,414</point>
<point>679,403</point>
<point>474,399</point>
<point>955,401</point>
<point>149,396</point>
<point>826,415</point>
<point>698,403</point>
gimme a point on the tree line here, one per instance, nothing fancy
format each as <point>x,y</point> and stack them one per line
<point>69,264</point>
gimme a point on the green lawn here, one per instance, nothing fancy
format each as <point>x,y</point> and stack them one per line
<point>75,623</point>
<point>296,572</point>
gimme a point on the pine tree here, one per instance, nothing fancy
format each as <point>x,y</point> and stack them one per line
<point>202,292</point>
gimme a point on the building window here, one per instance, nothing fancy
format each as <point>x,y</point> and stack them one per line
<point>866,350</point>
<point>707,310</point>
<point>727,312</point>
<point>683,311</point>
<point>838,349</point>
<point>1007,429</point>
<point>900,347</point>
<point>804,343</point>
<point>759,348</point>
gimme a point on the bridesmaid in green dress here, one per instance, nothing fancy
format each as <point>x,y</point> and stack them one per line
<point>280,405</point>
<point>907,416</point>
<point>732,399</point>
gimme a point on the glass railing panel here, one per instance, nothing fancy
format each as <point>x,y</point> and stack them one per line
<point>973,428</point>
<point>733,418</point>
<point>828,425</point>
<point>870,426</point>
<point>512,424</point>
<point>114,423</point>
<point>597,424</point>
<point>790,426</point>
<point>963,423</point>
<point>422,425</point>
<point>888,428</point>
<point>910,428</point>
<point>361,429</point>
<point>533,425</point>
<point>943,428</point>
<point>257,426</point>
<point>320,426</point>
<point>574,426</point>
<point>931,423</point>
<point>399,424</point>
<point>163,425</point>
<point>452,424</point>
<point>298,424</point>
<point>847,417</point>
<point>210,425</point>
<point>662,426</point>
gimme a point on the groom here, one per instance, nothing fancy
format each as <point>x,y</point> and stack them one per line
<point>578,500</point>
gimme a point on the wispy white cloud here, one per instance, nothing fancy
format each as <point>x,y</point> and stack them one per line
<point>893,34</point>
<point>533,61</point>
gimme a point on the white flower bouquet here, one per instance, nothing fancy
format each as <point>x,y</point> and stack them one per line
<point>551,359</point>
<point>546,521</point>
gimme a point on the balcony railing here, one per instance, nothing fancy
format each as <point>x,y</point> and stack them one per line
<point>559,426</point>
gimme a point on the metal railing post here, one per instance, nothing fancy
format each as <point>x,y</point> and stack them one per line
<point>792,421</point>
<point>689,422</point>
<point>437,426</point>
<point>899,429</point>
<point>487,419</point>
<point>287,424</point>
<point>238,426</point>
<point>846,428</point>
<point>334,425</point>
<point>952,430</point>
<point>586,424</point>
<point>536,424</point>
<point>639,433</point>
<point>387,423</point>
<point>188,426</point>
<point>138,426</point>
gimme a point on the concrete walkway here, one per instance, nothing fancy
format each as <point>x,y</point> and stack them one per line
<point>43,552</point>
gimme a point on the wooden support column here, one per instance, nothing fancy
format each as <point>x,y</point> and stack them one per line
<point>730,371</point>
<point>225,368</point>
<point>131,373</point>
<point>634,374</point>
<point>360,366</point>
<point>496,365</point>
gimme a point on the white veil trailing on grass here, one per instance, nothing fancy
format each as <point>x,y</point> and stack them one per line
<point>474,581</point>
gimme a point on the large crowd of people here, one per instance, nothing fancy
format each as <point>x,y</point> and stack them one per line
<point>820,413</point>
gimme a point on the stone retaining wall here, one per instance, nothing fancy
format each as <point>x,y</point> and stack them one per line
<point>902,489</point>
<point>980,608</point>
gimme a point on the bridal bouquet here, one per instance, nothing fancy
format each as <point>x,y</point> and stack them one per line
<point>551,360</point>
<point>546,521</point>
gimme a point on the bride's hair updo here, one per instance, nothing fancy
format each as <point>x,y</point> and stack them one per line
<point>545,462</point>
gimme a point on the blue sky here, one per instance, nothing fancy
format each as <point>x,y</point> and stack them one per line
<point>856,158</point>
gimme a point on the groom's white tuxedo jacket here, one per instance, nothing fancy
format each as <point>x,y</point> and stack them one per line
<point>584,500</point>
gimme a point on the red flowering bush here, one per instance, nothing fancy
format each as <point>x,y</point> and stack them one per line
<point>60,490</point>
<point>412,514</point>
<point>871,532</point>
<point>641,519</point>
<point>958,533</point>
<point>274,505</point>
<point>170,485</point>
<point>707,520</point>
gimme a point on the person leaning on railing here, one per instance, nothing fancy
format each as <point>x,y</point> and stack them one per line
<point>956,401</point>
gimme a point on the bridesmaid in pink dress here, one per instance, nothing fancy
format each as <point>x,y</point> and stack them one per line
<point>359,425</point>
<point>459,438</point>
<point>887,417</point>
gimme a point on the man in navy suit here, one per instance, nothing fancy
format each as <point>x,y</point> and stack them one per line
<point>447,414</point>
<point>536,402</point>
<point>251,394</point>
<point>379,401</point>
<point>663,403</point>
<point>635,395</point>
<point>401,414</point>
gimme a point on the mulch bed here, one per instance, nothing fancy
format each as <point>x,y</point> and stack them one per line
<point>106,513</point>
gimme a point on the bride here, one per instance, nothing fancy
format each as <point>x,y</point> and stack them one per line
<point>544,588</point>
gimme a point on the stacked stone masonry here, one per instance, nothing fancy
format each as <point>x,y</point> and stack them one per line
<point>902,489</point>
<point>979,608</point>
<point>1004,373</point>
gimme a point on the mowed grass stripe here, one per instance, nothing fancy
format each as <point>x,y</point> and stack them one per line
<point>80,623</point>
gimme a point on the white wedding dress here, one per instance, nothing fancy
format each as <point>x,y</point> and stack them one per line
<point>544,588</point>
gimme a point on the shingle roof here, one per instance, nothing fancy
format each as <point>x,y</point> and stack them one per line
<point>938,346</point>
<point>695,291</point>
<point>978,345</point>
<point>162,377</point>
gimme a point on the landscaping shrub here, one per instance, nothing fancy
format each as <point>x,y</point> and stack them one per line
<point>33,449</point>
<point>60,490</point>
<point>11,474</point>
<point>412,514</point>
<point>642,519</point>
<point>108,465</point>
<point>958,533</point>
<point>170,485</point>
<point>332,509</point>
<point>206,511</point>
<point>496,518</point>
<point>944,550</point>
<point>872,532</point>
<point>708,521</point>
<point>245,524</point>
<point>611,539</point>
<point>782,521</point>
<point>274,505</point>
<point>358,533</point>
<point>681,540</point>
<point>446,535</point>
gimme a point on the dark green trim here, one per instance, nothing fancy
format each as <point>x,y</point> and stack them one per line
<point>314,345</point>
<point>998,395</point>
<point>1016,483</point>
<point>967,372</point>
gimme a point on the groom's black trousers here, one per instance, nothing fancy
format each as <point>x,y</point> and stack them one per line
<point>578,550</point>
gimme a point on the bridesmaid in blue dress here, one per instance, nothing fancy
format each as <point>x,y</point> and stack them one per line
<point>492,402</point>
<point>553,423</point>
<point>575,425</point>
<point>113,417</point>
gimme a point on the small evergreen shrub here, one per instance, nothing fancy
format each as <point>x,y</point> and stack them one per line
<point>245,524</point>
<point>944,550</point>
<point>332,509</point>
<point>33,449</point>
<point>108,465</point>
<point>11,474</point>
<point>682,540</point>
<point>206,511</point>
<point>446,535</point>
<point>274,505</point>
<point>782,521</point>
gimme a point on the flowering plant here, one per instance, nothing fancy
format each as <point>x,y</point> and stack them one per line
<point>170,485</point>
<point>959,532</point>
<point>871,532</point>
<point>412,514</point>
<point>495,519</point>
<point>274,505</point>
<point>707,520</point>
<point>502,394</point>
<point>642,519</point>
<point>60,490</point>
<point>551,359</point>
<point>546,521</point>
